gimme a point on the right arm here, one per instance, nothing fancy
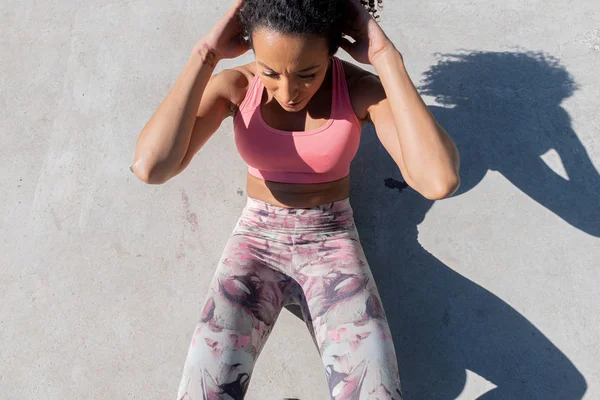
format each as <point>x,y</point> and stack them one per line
<point>164,141</point>
<point>184,122</point>
<point>194,107</point>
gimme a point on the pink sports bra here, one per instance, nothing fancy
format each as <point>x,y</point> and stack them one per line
<point>316,156</point>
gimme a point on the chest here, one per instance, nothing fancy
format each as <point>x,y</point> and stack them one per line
<point>316,114</point>
<point>331,143</point>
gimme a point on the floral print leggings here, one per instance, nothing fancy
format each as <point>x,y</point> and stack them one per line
<point>311,257</point>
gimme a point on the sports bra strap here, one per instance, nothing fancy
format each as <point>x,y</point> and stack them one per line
<point>253,95</point>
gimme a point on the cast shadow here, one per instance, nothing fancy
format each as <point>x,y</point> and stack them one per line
<point>506,113</point>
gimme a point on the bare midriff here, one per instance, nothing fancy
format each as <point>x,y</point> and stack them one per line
<point>297,195</point>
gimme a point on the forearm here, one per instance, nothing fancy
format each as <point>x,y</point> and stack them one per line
<point>430,156</point>
<point>164,140</point>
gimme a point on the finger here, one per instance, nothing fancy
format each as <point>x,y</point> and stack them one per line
<point>357,19</point>
<point>356,6</point>
<point>360,12</point>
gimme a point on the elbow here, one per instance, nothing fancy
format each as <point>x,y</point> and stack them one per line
<point>445,182</point>
<point>152,179</point>
<point>443,189</point>
<point>149,174</point>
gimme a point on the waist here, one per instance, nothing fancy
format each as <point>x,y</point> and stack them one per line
<point>264,219</point>
<point>289,195</point>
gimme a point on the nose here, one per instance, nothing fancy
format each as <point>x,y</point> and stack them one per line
<point>288,91</point>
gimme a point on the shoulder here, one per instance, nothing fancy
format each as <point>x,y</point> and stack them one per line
<point>233,83</point>
<point>365,89</point>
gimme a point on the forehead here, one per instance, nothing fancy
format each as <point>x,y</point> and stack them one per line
<point>288,52</point>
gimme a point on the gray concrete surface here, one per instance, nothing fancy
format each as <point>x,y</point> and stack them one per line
<point>493,291</point>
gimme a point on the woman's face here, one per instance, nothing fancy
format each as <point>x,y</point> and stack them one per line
<point>292,68</point>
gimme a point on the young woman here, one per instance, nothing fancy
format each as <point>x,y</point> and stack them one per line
<point>297,112</point>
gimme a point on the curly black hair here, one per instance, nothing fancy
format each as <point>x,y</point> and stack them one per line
<point>301,17</point>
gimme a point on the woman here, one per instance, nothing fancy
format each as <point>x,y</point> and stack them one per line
<point>298,113</point>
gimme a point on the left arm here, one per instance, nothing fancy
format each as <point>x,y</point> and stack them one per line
<point>425,153</point>
<point>429,156</point>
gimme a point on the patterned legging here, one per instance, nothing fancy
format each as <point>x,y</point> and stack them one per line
<point>309,257</point>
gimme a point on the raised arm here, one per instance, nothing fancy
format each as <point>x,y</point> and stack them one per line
<point>194,107</point>
<point>423,150</point>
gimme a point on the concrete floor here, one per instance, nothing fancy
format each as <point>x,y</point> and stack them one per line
<point>102,277</point>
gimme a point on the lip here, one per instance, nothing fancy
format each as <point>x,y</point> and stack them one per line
<point>292,105</point>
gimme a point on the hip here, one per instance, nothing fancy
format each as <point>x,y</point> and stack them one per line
<point>318,223</point>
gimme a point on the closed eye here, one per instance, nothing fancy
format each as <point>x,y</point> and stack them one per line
<point>275,76</point>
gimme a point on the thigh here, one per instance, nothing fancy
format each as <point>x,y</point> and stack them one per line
<point>242,305</point>
<point>348,319</point>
